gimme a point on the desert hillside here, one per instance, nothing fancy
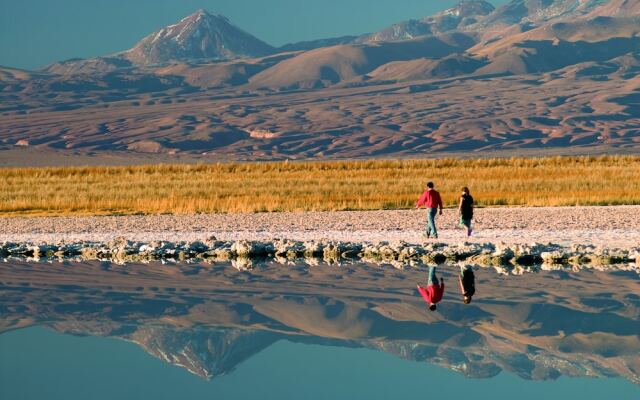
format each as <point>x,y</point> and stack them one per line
<point>529,77</point>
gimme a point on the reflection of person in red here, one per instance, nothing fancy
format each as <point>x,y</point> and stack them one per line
<point>434,290</point>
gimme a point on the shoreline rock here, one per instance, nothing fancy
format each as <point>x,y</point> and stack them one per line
<point>506,258</point>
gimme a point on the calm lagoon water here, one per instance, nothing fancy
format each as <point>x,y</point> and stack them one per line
<point>40,364</point>
<point>101,331</point>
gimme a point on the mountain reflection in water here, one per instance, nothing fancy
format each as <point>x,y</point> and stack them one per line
<point>210,318</point>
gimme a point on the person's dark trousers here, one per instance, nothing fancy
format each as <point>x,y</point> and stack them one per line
<point>466,223</point>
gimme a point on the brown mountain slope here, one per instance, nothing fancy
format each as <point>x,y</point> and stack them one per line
<point>461,15</point>
<point>219,74</point>
<point>424,68</point>
<point>331,65</point>
<point>616,8</point>
<point>91,66</point>
<point>8,74</point>
<point>557,45</point>
<point>590,30</point>
<point>539,11</point>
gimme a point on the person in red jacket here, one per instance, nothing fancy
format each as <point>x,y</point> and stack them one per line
<point>431,199</point>
<point>433,292</point>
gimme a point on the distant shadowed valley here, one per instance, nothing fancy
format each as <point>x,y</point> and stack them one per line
<point>526,78</point>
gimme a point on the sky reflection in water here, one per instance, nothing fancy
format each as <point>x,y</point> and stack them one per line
<point>313,331</point>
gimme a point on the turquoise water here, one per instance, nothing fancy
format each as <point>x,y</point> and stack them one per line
<point>37,363</point>
<point>102,331</point>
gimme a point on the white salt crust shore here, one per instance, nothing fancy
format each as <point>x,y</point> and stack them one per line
<point>611,226</point>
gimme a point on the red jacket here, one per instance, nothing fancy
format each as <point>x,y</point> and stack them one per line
<point>432,293</point>
<point>430,198</point>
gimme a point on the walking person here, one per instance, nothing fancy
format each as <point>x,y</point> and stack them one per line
<point>432,201</point>
<point>465,210</point>
<point>433,292</point>
<point>467,281</point>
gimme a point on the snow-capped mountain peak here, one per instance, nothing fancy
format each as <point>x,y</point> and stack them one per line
<point>201,35</point>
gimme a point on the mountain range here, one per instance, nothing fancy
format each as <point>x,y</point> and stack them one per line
<point>531,76</point>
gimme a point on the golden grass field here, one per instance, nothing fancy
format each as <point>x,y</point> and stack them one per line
<point>305,186</point>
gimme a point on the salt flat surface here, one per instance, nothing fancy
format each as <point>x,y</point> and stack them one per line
<point>610,226</point>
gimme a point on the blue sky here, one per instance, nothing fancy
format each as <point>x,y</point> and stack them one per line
<point>34,33</point>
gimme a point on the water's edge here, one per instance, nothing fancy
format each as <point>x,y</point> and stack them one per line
<point>244,254</point>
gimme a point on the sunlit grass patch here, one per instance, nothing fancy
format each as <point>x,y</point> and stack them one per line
<point>309,186</point>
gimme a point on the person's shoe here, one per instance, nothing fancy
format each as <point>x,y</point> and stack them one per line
<point>469,232</point>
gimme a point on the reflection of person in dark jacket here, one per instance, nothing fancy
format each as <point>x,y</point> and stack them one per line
<point>467,283</point>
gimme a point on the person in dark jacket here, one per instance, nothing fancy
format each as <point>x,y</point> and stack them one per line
<point>466,209</point>
<point>467,283</point>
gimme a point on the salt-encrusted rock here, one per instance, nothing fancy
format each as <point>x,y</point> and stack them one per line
<point>351,250</point>
<point>312,261</point>
<point>242,248</point>
<point>48,250</point>
<point>610,256</point>
<point>333,250</point>
<point>18,250</point>
<point>634,255</point>
<point>313,249</point>
<point>281,260</point>
<point>530,254</point>
<point>555,257</point>
<point>288,248</point>
<point>222,252</point>
<point>580,248</point>
<point>243,263</point>
<point>433,257</point>
<point>503,250</point>
<point>399,264</point>
<point>89,253</point>
<point>408,254</point>
<point>383,251</point>
<point>164,246</point>
<point>555,267</point>
<point>462,251</point>
<point>487,258</point>
<point>371,251</point>
<point>514,259</point>
<point>150,250</point>
<point>211,241</point>
<point>118,242</point>
<point>4,248</point>
<point>197,247</point>
<point>579,259</point>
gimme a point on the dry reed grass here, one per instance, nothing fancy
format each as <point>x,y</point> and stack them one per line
<point>305,186</point>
